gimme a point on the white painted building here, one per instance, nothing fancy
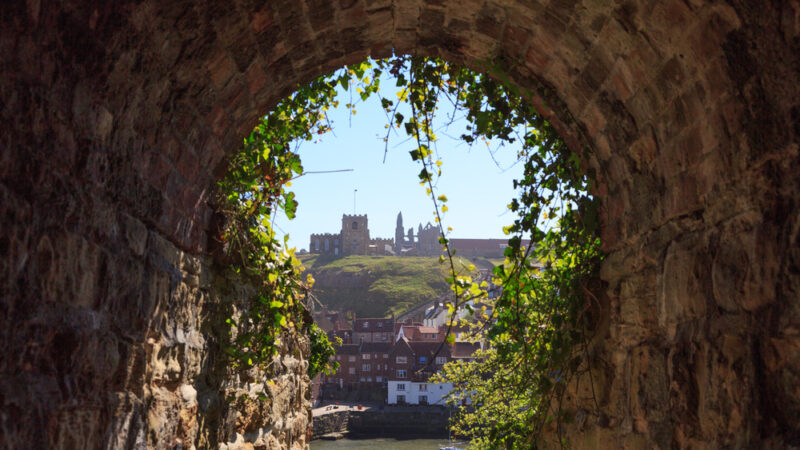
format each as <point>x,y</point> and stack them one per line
<point>435,316</point>
<point>417,393</point>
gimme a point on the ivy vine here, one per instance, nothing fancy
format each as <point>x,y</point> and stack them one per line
<point>535,330</point>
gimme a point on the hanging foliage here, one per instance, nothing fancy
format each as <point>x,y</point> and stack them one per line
<point>534,331</point>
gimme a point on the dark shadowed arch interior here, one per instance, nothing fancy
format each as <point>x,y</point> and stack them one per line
<point>117,118</point>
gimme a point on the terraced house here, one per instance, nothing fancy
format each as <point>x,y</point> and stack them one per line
<point>400,356</point>
<point>373,330</point>
<point>412,363</point>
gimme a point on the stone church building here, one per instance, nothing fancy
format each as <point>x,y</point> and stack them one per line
<point>353,239</point>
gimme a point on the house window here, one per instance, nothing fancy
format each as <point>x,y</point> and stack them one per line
<point>423,399</point>
<point>385,337</point>
<point>401,399</point>
<point>316,244</point>
<point>379,325</point>
<point>327,245</point>
<point>401,373</point>
<point>365,367</point>
<point>441,360</point>
<point>365,356</point>
<point>338,357</point>
<point>362,379</point>
<point>351,370</point>
<point>365,325</point>
<point>401,360</point>
<point>351,358</point>
<point>369,379</point>
<point>385,355</point>
<point>378,379</point>
<point>423,359</point>
<point>401,386</point>
<point>423,387</point>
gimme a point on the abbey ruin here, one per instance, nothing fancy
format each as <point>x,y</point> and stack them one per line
<point>117,118</point>
<point>354,239</point>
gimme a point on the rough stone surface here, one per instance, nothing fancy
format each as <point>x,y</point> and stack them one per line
<point>116,118</point>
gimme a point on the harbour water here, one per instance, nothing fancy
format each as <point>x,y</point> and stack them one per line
<point>380,443</point>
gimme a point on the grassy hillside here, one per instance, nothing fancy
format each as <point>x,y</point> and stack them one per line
<point>377,286</point>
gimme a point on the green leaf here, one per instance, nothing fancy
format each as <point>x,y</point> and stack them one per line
<point>290,205</point>
<point>424,175</point>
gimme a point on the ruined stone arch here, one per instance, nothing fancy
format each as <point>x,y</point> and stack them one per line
<point>116,120</point>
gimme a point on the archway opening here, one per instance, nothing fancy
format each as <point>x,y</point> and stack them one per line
<point>531,330</point>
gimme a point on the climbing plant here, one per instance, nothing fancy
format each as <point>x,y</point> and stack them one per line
<point>251,193</point>
<point>534,331</point>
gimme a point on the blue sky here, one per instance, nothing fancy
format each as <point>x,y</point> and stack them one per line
<point>477,186</point>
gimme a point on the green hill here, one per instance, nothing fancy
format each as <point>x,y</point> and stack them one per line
<point>377,286</point>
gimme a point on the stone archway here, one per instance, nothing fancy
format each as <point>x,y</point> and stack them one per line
<point>116,121</point>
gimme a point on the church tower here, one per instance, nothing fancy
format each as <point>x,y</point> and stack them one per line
<point>355,234</point>
<point>398,234</point>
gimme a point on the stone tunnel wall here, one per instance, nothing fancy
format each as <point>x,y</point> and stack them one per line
<point>116,119</point>
<point>144,368</point>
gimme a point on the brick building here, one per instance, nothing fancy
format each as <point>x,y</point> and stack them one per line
<point>379,349</point>
<point>348,374</point>
<point>374,358</point>
<point>411,364</point>
<point>373,330</point>
<point>418,360</point>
